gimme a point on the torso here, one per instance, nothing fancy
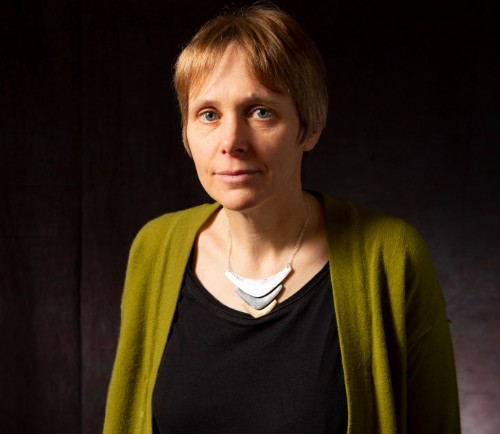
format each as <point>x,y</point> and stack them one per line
<point>225,372</point>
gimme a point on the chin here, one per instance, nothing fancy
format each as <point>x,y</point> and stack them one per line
<point>238,200</point>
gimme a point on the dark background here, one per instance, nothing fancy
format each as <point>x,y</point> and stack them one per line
<point>90,149</point>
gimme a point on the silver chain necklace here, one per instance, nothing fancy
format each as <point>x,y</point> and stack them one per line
<point>259,295</point>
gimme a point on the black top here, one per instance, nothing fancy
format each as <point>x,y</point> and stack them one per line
<point>224,371</point>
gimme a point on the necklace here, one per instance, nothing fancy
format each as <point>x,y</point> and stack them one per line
<point>259,295</point>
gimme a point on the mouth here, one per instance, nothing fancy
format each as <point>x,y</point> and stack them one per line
<point>235,176</point>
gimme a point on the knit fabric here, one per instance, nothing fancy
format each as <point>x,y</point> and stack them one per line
<point>393,329</point>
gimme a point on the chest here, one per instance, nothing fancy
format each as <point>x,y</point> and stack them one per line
<point>224,372</point>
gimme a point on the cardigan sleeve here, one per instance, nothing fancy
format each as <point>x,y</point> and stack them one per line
<point>127,385</point>
<point>432,395</point>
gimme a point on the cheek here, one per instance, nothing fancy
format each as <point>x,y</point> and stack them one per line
<point>188,135</point>
<point>202,174</point>
<point>198,143</point>
<point>197,161</point>
<point>194,149</point>
<point>202,162</point>
<point>192,131</point>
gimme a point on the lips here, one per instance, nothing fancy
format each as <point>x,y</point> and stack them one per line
<point>236,175</point>
<point>235,172</point>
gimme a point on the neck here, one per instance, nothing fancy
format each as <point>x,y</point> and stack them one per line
<point>264,239</point>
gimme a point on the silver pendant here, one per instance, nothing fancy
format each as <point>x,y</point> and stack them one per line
<point>259,302</point>
<point>258,287</point>
<point>258,293</point>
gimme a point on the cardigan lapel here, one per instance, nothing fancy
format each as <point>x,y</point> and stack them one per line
<point>352,311</point>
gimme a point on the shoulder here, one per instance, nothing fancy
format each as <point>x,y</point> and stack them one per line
<point>174,227</point>
<point>370,229</point>
<point>384,251</point>
<point>182,217</point>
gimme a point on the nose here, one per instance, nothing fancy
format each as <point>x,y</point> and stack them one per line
<point>234,137</point>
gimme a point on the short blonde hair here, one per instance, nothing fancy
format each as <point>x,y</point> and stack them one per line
<point>275,47</point>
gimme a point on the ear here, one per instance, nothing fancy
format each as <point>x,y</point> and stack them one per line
<point>311,141</point>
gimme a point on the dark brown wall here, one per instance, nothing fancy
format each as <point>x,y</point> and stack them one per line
<point>90,150</point>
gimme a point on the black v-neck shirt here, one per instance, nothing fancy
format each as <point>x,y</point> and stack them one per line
<point>225,372</point>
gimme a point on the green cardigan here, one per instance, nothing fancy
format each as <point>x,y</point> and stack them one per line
<point>394,337</point>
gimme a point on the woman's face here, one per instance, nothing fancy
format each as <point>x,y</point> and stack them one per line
<point>243,138</point>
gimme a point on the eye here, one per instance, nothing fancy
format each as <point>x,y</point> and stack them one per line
<point>208,116</point>
<point>262,113</point>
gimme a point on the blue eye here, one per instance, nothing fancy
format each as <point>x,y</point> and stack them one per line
<point>263,113</point>
<point>209,116</point>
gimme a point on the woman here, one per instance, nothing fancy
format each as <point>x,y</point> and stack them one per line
<point>274,309</point>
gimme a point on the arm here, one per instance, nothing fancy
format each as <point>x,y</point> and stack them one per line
<point>432,394</point>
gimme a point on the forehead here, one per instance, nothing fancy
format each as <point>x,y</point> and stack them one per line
<point>220,63</point>
<point>232,70</point>
<point>232,59</point>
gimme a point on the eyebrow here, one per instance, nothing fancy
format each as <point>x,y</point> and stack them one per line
<point>253,99</point>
